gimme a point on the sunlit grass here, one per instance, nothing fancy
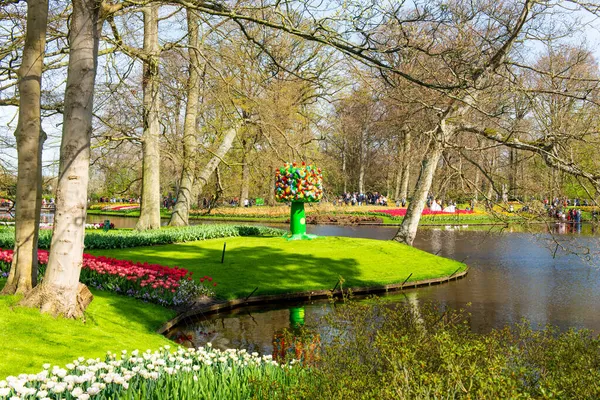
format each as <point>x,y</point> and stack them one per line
<point>112,323</point>
<point>276,266</point>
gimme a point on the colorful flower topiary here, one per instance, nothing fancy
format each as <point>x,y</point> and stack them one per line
<point>298,183</point>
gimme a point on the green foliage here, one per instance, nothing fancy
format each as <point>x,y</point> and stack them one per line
<point>379,351</point>
<point>121,239</point>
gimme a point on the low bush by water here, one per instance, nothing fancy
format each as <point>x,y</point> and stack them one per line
<point>378,351</point>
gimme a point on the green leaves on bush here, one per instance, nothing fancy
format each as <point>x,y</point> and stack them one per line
<point>382,351</point>
<point>121,239</point>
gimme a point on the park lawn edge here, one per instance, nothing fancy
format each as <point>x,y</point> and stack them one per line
<point>112,323</point>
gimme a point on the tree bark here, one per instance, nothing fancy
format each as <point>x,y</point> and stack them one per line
<point>181,212</point>
<point>61,293</point>
<point>399,168</point>
<point>30,139</point>
<point>398,181</point>
<point>214,162</point>
<point>362,166</point>
<point>512,173</point>
<point>406,168</point>
<point>490,190</point>
<point>408,230</point>
<point>344,174</point>
<point>476,181</point>
<point>150,207</point>
<point>245,174</point>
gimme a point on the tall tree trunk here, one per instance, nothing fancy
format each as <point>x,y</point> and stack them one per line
<point>406,169</point>
<point>408,230</point>
<point>490,189</point>
<point>150,207</point>
<point>245,174</point>
<point>476,181</point>
<point>30,139</point>
<point>361,168</point>
<point>344,174</point>
<point>181,212</point>
<point>214,162</point>
<point>512,173</point>
<point>61,293</point>
<point>399,168</point>
<point>398,181</point>
<point>443,132</point>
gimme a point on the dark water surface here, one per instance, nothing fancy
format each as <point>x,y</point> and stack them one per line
<point>515,273</point>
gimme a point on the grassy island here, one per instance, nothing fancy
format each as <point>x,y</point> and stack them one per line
<point>276,266</point>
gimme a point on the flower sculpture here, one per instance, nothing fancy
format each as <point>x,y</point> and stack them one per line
<point>298,184</point>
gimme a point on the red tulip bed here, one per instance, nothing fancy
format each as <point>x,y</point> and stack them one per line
<point>122,208</point>
<point>150,282</point>
<point>401,212</point>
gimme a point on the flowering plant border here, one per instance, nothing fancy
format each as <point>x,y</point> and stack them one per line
<point>168,286</point>
<point>153,374</point>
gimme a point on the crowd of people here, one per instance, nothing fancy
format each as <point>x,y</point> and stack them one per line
<point>557,208</point>
<point>438,205</point>
<point>572,215</point>
<point>361,199</point>
<point>565,202</point>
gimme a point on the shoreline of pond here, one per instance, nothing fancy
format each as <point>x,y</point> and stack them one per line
<point>478,220</point>
<point>214,307</point>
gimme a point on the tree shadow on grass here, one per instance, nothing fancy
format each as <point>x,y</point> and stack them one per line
<point>271,269</point>
<point>150,316</point>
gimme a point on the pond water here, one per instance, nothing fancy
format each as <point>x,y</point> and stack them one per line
<point>515,273</point>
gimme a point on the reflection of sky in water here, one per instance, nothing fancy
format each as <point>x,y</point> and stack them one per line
<point>513,275</point>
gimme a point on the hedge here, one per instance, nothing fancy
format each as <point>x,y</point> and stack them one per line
<point>121,239</point>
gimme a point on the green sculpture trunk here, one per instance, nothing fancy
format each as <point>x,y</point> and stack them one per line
<point>298,222</point>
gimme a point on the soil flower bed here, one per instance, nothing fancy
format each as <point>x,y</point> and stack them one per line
<point>340,219</point>
<point>401,212</point>
<point>151,282</point>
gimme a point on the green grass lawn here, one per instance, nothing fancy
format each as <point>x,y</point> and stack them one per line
<point>275,265</point>
<point>113,323</point>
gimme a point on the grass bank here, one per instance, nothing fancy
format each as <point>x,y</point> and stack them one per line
<point>113,323</point>
<point>277,266</point>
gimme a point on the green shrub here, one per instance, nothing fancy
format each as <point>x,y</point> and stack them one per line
<point>121,239</point>
<point>379,351</point>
